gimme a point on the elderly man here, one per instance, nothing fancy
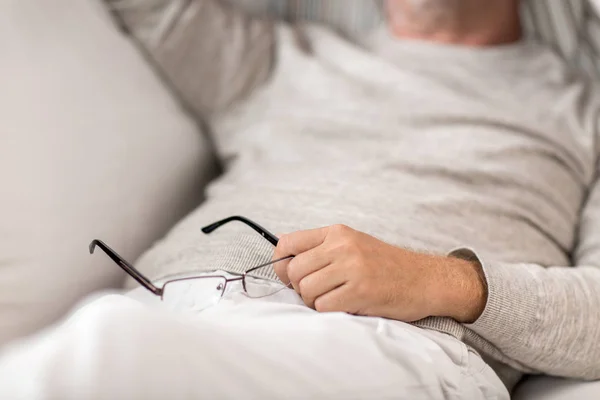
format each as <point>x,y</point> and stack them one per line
<point>438,184</point>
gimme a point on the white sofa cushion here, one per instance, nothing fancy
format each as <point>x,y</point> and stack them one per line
<point>92,145</point>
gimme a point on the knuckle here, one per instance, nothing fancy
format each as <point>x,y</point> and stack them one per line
<point>293,276</point>
<point>321,305</point>
<point>304,286</point>
<point>341,229</point>
<point>307,292</point>
<point>284,242</point>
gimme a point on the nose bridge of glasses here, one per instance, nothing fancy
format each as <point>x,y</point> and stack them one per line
<point>241,279</point>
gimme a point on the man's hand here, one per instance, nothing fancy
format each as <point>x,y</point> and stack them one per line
<point>339,269</point>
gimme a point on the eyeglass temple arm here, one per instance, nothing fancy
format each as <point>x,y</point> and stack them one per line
<point>134,273</point>
<point>262,231</point>
<point>267,264</point>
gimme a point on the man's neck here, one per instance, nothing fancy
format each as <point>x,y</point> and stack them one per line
<point>464,39</point>
<point>496,24</point>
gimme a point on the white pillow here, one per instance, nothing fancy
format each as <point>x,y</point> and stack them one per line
<point>92,145</point>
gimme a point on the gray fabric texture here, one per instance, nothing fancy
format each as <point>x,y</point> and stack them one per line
<point>424,146</point>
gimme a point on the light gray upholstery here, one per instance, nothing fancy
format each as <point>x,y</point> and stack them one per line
<point>546,388</point>
<point>92,145</point>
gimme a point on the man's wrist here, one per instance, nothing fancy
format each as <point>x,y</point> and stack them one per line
<point>463,289</point>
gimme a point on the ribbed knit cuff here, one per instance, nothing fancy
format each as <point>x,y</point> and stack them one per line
<point>512,304</point>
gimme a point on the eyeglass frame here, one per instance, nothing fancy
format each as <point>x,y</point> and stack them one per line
<point>159,291</point>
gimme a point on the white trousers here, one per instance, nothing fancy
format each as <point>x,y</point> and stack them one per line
<point>127,347</point>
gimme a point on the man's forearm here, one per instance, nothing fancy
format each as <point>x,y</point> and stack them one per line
<point>546,319</point>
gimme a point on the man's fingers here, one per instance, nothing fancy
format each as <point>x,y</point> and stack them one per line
<point>292,271</point>
<point>321,282</point>
<point>280,269</point>
<point>296,243</point>
<point>305,264</point>
<point>340,299</point>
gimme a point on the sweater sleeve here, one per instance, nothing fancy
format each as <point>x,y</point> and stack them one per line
<point>211,53</point>
<point>548,318</point>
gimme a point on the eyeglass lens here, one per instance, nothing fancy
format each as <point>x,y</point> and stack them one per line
<point>199,293</point>
<point>194,294</point>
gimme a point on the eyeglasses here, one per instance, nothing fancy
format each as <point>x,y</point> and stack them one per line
<point>201,292</point>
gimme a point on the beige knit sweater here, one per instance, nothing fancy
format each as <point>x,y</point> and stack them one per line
<point>425,146</point>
